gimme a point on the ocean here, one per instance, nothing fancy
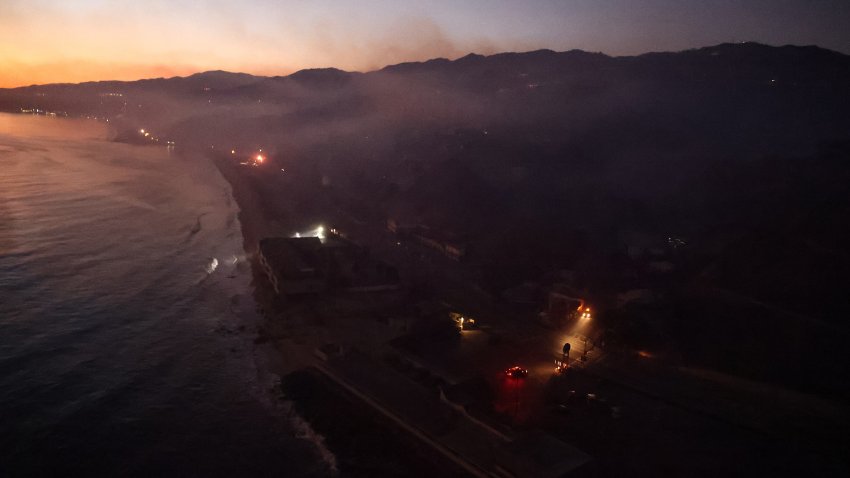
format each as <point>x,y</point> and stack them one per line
<point>127,324</point>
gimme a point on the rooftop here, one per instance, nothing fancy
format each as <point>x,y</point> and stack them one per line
<point>292,256</point>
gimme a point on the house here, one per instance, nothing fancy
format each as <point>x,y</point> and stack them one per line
<point>539,455</point>
<point>562,305</point>
<point>441,242</point>
<point>449,248</point>
<point>310,265</point>
<point>294,266</point>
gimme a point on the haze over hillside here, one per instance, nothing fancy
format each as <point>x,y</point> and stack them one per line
<point>545,160</point>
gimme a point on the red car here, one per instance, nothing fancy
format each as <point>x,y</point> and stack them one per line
<point>516,372</point>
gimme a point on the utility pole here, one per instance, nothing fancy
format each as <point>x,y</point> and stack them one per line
<point>584,355</point>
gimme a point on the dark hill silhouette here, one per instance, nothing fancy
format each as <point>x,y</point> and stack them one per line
<point>573,143</point>
<point>321,77</point>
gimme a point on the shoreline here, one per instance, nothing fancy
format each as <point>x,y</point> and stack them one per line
<point>264,356</point>
<point>156,368</point>
<point>318,410</point>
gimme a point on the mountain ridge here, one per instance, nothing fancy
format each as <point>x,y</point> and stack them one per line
<point>749,47</point>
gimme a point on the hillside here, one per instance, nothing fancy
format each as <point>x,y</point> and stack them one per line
<point>544,161</point>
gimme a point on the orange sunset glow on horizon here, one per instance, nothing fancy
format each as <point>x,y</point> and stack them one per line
<point>46,41</point>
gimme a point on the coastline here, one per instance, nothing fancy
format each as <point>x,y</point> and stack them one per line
<point>251,217</point>
<point>252,214</point>
<point>142,347</point>
<point>334,421</point>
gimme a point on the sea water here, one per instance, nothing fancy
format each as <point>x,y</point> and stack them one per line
<point>126,319</point>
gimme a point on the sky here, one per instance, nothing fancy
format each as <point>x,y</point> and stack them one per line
<point>48,41</point>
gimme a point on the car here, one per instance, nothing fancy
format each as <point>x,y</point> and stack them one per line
<point>516,372</point>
